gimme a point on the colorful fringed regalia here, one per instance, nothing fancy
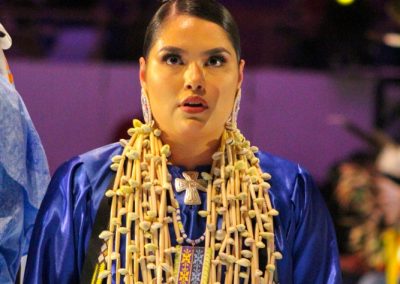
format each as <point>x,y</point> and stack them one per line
<point>5,43</point>
<point>145,214</point>
<point>368,195</point>
<point>391,243</point>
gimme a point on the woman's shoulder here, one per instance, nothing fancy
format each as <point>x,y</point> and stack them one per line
<point>100,156</point>
<point>287,177</point>
<point>277,165</point>
<point>92,166</point>
<point>93,159</point>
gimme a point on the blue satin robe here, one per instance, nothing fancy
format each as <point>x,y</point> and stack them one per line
<point>304,231</point>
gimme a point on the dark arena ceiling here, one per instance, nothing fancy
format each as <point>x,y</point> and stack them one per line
<point>311,34</point>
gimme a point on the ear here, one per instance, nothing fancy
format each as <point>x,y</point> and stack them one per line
<point>142,72</point>
<point>241,72</point>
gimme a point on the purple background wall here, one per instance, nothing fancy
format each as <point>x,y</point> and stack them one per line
<point>77,107</point>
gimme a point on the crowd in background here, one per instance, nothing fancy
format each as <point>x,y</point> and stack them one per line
<point>363,194</point>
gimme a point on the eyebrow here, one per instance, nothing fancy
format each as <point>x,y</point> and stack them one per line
<point>217,50</point>
<point>178,50</point>
<point>171,49</point>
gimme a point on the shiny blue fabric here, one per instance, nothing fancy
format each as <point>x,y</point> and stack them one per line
<point>304,232</point>
<point>24,177</point>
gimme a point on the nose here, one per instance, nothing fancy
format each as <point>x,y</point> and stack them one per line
<point>194,78</point>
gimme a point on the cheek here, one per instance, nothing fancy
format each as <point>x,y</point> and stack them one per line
<point>162,87</point>
<point>223,108</point>
<point>163,99</point>
<point>160,104</point>
<point>227,92</point>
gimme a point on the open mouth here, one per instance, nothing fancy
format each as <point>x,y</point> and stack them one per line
<point>194,104</point>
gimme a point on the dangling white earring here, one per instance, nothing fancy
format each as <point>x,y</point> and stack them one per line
<point>146,107</point>
<point>232,120</point>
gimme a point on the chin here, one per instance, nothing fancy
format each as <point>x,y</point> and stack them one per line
<point>200,129</point>
<point>191,127</point>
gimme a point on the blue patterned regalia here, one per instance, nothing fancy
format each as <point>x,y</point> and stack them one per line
<point>24,177</point>
<point>303,229</point>
<point>24,173</point>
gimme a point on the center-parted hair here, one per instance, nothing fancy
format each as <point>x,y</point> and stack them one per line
<point>209,10</point>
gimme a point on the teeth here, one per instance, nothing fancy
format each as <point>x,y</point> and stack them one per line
<point>193,104</point>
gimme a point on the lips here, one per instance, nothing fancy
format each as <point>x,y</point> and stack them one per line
<point>193,104</point>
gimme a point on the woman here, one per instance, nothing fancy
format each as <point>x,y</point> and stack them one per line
<point>191,201</point>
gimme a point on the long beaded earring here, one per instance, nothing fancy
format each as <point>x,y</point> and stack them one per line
<point>146,107</point>
<point>232,120</point>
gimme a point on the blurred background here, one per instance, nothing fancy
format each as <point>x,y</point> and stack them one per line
<point>312,34</point>
<point>322,87</point>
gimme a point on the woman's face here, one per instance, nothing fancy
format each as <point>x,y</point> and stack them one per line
<point>191,76</point>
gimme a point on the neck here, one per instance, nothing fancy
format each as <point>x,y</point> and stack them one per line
<point>191,153</point>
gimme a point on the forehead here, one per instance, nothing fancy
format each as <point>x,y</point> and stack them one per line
<point>192,34</point>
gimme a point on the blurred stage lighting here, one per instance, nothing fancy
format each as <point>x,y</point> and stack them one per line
<point>392,40</point>
<point>345,2</point>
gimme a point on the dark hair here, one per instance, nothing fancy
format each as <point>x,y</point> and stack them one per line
<point>209,10</point>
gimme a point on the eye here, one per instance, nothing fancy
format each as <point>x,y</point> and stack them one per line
<point>172,59</point>
<point>216,61</point>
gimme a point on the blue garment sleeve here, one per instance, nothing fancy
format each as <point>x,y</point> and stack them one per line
<point>315,252</point>
<point>304,232</point>
<point>61,230</point>
<point>64,223</point>
<point>24,176</point>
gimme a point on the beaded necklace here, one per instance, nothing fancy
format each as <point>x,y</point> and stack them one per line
<point>237,192</point>
<point>190,184</point>
<point>184,235</point>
